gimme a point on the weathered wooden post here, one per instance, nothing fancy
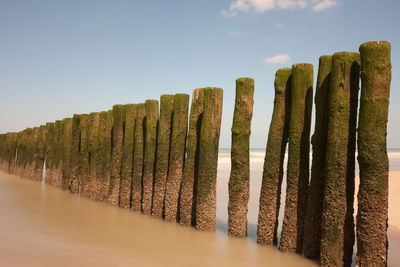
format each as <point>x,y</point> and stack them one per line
<point>3,151</point>
<point>102,157</point>
<point>149,159</point>
<point>41,151</point>
<point>20,152</point>
<point>75,144</point>
<point>66,153</point>
<point>138,151</point>
<point>127,157</point>
<point>93,150</point>
<point>372,217</point>
<point>118,112</point>
<point>337,236</point>
<point>312,226</point>
<point>13,153</point>
<point>298,160</point>
<point>84,163</point>
<point>177,156</point>
<point>54,170</point>
<point>36,169</point>
<point>267,225</point>
<point>162,160</point>
<point>30,143</point>
<point>208,160</point>
<point>239,182</point>
<point>49,148</point>
<point>190,170</point>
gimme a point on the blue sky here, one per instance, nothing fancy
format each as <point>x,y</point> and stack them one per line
<point>58,58</point>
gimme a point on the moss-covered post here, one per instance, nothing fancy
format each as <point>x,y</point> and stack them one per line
<point>83,165</point>
<point>152,116</point>
<point>3,151</point>
<point>35,172</point>
<point>177,156</point>
<point>162,160</point>
<point>270,194</point>
<point>190,169</point>
<point>298,160</point>
<point>206,193</point>
<point>40,153</point>
<point>138,151</point>
<point>127,157</point>
<point>13,153</point>
<point>75,143</point>
<point>9,148</point>
<point>19,152</point>
<point>117,136</point>
<point>312,227</point>
<point>49,148</point>
<point>66,153</point>
<point>102,158</point>
<point>239,182</point>
<point>372,217</point>
<point>87,183</point>
<point>55,164</point>
<point>28,153</point>
<point>337,236</point>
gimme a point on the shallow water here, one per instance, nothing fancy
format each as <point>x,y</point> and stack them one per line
<point>43,226</point>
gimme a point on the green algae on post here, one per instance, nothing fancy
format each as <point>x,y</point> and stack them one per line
<point>206,192</point>
<point>49,147</point>
<point>372,217</point>
<point>66,154</point>
<point>162,157</point>
<point>312,227</point>
<point>92,148</point>
<point>149,158</point>
<point>138,157</point>
<point>190,169</point>
<point>298,159</point>
<point>239,182</point>
<point>267,226</point>
<point>337,233</point>
<point>127,157</point>
<point>83,165</point>
<point>40,152</point>
<point>118,112</point>
<point>55,154</point>
<point>102,157</point>
<point>75,143</point>
<point>177,156</point>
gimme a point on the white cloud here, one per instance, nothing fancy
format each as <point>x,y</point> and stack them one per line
<point>279,25</point>
<point>324,5</point>
<point>278,59</point>
<point>257,6</point>
<point>260,6</point>
<point>286,4</point>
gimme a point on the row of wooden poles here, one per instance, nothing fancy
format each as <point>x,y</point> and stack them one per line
<point>157,160</point>
<point>319,215</point>
<point>136,156</point>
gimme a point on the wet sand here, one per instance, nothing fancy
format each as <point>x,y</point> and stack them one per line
<point>40,225</point>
